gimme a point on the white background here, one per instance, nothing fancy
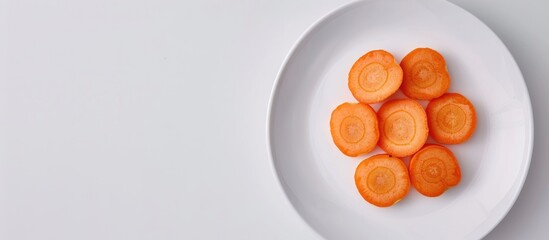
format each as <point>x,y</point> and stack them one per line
<point>142,119</point>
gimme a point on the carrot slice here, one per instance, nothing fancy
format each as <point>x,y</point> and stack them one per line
<point>425,74</point>
<point>382,180</point>
<point>374,77</point>
<point>433,170</point>
<point>354,128</point>
<point>403,127</point>
<point>452,118</point>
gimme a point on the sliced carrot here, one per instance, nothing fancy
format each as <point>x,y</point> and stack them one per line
<point>425,74</point>
<point>403,127</point>
<point>433,170</point>
<point>452,118</point>
<point>354,128</point>
<point>382,180</point>
<point>374,77</point>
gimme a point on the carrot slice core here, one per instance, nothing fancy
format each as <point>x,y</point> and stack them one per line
<point>400,128</point>
<point>433,170</point>
<point>381,180</point>
<point>424,74</point>
<point>373,77</point>
<point>451,118</point>
<point>352,129</point>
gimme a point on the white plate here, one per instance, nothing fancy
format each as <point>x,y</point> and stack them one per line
<point>318,179</point>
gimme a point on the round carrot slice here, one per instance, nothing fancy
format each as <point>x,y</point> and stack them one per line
<point>452,118</point>
<point>354,128</point>
<point>425,74</point>
<point>433,170</point>
<point>374,77</point>
<point>382,180</point>
<point>403,127</point>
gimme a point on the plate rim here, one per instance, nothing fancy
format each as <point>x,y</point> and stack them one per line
<point>335,11</point>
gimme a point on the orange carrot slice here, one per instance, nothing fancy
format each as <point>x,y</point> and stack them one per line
<point>382,180</point>
<point>374,77</point>
<point>403,127</point>
<point>354,128</point>
<point>452,118</point>
<point>425,74</point>
<point>433,170</point>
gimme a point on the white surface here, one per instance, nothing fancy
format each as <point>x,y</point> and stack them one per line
<point>146,119</point>
<point>318,178</point>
